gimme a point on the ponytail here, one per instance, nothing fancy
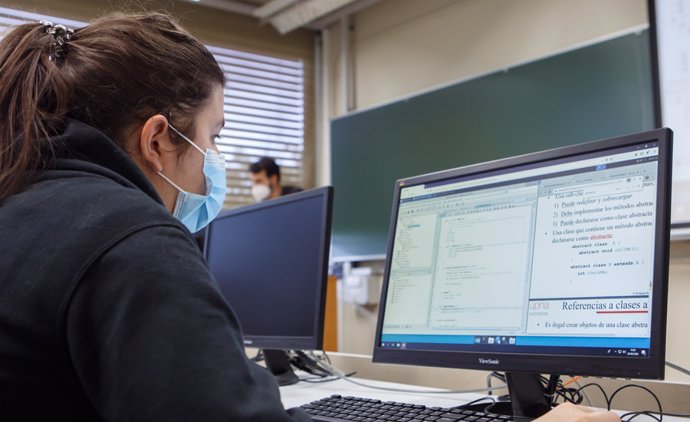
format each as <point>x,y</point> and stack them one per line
<point>33,101</point>
<point>112,74</point>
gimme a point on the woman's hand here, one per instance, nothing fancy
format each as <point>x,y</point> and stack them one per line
<point>568,412</point>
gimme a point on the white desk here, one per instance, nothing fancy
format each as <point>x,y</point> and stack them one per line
<point>301,393</point>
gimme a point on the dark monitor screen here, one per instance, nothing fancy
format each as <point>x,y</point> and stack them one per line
<point>553,262</point>
<point>270,261</point>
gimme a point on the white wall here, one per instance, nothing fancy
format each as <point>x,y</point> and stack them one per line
<point>400,47</point>
<point>403,46</point>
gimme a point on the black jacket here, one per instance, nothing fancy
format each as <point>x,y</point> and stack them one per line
<point>107,308</point>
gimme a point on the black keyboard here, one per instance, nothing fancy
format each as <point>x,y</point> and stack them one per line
<point>336,408</point>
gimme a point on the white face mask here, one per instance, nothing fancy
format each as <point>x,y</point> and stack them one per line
<point>260,192</point>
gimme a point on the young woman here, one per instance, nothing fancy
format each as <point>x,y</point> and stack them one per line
<point>107,164</point>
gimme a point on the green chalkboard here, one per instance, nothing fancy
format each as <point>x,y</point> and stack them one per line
<point>594,92</point>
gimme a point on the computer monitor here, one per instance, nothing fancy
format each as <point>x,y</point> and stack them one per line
<point>270,261</point>
<point>548,263</point>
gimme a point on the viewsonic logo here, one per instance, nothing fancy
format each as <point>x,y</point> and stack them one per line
<point>248,342</point>
<point>489,361</point>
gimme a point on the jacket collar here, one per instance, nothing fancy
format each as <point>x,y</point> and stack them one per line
<point>82,147</point>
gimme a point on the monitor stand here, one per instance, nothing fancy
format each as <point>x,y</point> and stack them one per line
<point>528,399</point>
<point>278,362</point>
<point>527,395</point>
<point>304,362</point>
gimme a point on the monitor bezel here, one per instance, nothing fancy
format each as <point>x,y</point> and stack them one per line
<point>603,366</point>
<point>315,340</point>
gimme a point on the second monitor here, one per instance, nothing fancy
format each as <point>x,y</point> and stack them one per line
<point>271,262</point>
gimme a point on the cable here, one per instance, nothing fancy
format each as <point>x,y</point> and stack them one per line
<point>569,394</point>
<point>678,368</point>
<point>606,397</point>
<point>632,415</point>
<point>489,408</point>
<point>328,358</point>
<point>479,400</point>
<point>553,382</point>
<point>501,377</point>
<point>486,409</point>
<point>488,382</point>
<point>582,393</point>
<point>661,411</point>
<point>572,380</point>
<point>555,389</point>
<point>651,412</point>
<point>308,362</point>
<point>259,356</point>
<point>318,379</point>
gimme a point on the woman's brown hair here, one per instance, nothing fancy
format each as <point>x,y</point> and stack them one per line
<point>112,74</point>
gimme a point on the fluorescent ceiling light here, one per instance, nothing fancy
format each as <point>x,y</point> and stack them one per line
<point>272,7</point>
<point>288,15</point>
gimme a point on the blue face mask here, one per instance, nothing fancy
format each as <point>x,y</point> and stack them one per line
<point>196,211</point>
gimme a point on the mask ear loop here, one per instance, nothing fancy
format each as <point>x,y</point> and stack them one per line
<point>167,179</point>
<point>195,146</point>
<point>170,181</point>
<point>187,139</point>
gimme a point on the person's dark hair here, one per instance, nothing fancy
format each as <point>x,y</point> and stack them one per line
<point>266,164</point>
<point>111,74</point>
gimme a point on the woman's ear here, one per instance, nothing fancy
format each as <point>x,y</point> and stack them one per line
<point>154,142</point>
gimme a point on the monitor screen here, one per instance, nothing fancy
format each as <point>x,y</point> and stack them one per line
<point>553,262</point>
<point>270,261</point>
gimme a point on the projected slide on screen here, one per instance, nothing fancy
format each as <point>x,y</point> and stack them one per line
<point>591,251</point>
<point>560,251</point>
<point>673,54</point>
